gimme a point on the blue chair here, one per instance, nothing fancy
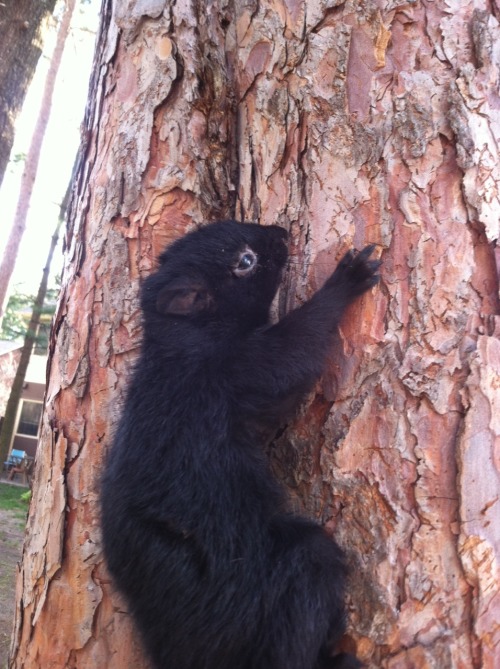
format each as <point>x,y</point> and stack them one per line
<point>15,458</point>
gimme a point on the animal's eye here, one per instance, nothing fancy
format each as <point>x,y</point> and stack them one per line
<point>246,262</point>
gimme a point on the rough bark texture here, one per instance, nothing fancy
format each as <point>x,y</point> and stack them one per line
<point>21,34</point>
<point>348,122</point>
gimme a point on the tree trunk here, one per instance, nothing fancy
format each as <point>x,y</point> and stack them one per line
<point>22,27</point>
<point>9,420</point>
<point>348,123</point>
<point>32,159</point>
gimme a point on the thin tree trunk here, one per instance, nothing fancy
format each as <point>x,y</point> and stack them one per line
<point>32,159</point>
<point>22,28</point>
<point>348,123</point>
<point>9,421</point>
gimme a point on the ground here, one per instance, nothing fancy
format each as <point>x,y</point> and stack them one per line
<point>12,520</point>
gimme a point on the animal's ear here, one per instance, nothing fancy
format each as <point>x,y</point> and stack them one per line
<point>183,297</point>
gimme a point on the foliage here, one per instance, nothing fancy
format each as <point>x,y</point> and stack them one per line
<point>14,321</point>
<point>18,313</point>
<point>18,158</point>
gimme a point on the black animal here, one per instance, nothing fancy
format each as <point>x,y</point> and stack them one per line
<point>217,572</point>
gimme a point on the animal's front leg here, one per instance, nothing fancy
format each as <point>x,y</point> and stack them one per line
<point>278,365</point>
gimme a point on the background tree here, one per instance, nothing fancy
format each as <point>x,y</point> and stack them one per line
<point>17,314</point>
<point>347,122</point>
<point>22,27</point>
<point>32,159</point>
<point>31,339</point>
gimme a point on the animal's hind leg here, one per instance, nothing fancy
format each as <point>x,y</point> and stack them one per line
<point>307,587</point>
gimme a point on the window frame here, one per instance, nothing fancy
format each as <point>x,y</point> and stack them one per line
<point>17,433</point>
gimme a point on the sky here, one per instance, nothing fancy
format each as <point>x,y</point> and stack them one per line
<point>58,152</point>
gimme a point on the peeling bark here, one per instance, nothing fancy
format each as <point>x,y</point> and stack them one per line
<point>347,122</point>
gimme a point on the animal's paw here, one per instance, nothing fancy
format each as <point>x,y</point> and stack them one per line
<point>356,273</point>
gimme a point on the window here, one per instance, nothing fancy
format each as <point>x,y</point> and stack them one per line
<point>29,419</point>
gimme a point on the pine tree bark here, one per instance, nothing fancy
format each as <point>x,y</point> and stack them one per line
<point>21,36</point>
<point>347,122</point>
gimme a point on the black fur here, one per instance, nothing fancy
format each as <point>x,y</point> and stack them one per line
<point>217,572</point>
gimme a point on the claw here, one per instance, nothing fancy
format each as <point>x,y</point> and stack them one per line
<point>356,271</point>
<point>367,251</point>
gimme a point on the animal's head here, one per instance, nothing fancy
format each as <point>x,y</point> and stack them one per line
<point>224,271</point>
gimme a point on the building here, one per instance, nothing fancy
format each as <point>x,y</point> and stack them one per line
<point>29,412</point>
<point>10,353</point>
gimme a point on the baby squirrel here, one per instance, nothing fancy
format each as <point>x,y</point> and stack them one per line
<point>218,573</point>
